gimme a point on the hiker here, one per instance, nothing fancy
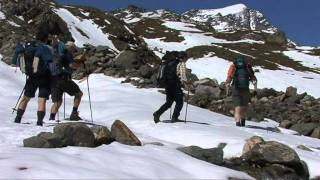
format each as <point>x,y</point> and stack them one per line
<point>62,82</point>
<point>36,56</point>
<point>240,74</point>
<point>172,76</point>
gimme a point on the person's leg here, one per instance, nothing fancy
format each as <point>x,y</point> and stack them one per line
<point>243,114</point>
<point>73,89</point>
<point>165,106</point>
<point>54,109</point>
<point>179,104</point>
<point>30,91</point>
<point>41,110</point>
<point>22,107</point>
<point>237,115</point>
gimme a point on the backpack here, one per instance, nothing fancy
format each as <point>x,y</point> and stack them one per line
<point>241,76</point>
<point>167,73</point>
<point>55,66</point>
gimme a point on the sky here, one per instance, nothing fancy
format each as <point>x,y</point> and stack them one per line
<point>299,19</point>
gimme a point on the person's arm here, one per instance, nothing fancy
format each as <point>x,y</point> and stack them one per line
<point>230,74</point>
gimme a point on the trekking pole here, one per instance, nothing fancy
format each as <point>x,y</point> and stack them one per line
<point>170,112</point>
<point>15,107</point>
<point>88,88</point>
<point>64,105</point>
<point>24,88</point>
<point>89,98</point>
<point>185,117</point>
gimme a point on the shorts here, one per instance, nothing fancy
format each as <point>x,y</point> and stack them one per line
<point>39,82</point>
<point>240,97</point>
<point>59,85</point>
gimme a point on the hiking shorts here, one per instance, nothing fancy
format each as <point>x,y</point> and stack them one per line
<point>42,83</point>
<point>240,97</point>
<point>62,85</point>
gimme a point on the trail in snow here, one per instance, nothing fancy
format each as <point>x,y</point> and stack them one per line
<point>113,100</point>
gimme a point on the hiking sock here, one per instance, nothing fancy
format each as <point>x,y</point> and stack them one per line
<point>238,124</point>
<point>243,122</point>
<point>52,116</point>
<point>41,115</point>
<point>156,117</point>
<point>18,118</point>
<point>74,109</point>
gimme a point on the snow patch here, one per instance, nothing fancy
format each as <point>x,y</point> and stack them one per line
<point>93,34</point>
<point>180,26</point>
<point>304,59</point>
<point>13,24</point>
<point>2,16</point>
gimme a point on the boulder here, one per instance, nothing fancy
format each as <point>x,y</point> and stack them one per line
<point>207,82</point>
<point>102,135</point>
<point>304,128</point>
<point>212,155</point>
<point>208,91</point>
<point>145,71</point>
<point>291,91</point>
<point>272,152</point>
<point>127,60</point>
<point>303,147</point>
<point>250,143</point>
<point>75,134</point>
<point>36,142</point>
<point>285,124</point>
<point>316,133</point>
<point>122,134</point>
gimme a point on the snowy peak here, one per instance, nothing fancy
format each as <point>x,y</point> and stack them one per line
<point>231,18</point>
<point>234,9</point>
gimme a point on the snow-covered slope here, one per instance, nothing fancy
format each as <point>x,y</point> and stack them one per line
<point>85,31</point>
<point>113,100</point>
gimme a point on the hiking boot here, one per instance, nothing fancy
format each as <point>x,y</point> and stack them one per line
<point>39,123</point>
<point>18,118</point>
<point>156,117</point>
<point>174,120</point>
<point>75,116</point>
<point>238,124</point>
<point>243,122</point>
<point>52,117</point>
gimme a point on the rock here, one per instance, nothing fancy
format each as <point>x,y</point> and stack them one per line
<point>304,128</point>
<point>285,124</point>
<point>122,134</point>
<point>250,143</point>
<point>273,153</point>
<point>212,155</point>
<point>304,148</point>
<point>316,133</point>
<point>54,140</point>
<point>291,91</point>
<point>127,60</point>
<point>36,142</point>
<point>207,82</point>
<point>276,171</point>
<point>264,100</point>
<point>75,134</point>
<point>145,71</point>
<point>266,93</point>
<point>102,135</point>
<point>208,91</point>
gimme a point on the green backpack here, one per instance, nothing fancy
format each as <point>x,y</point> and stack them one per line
<point>241,76</point>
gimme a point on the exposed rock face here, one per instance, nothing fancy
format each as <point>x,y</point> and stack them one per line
<point>102,135</point>
<point>212,155</point>
<point>122,134</point>
<point>75,134</point>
